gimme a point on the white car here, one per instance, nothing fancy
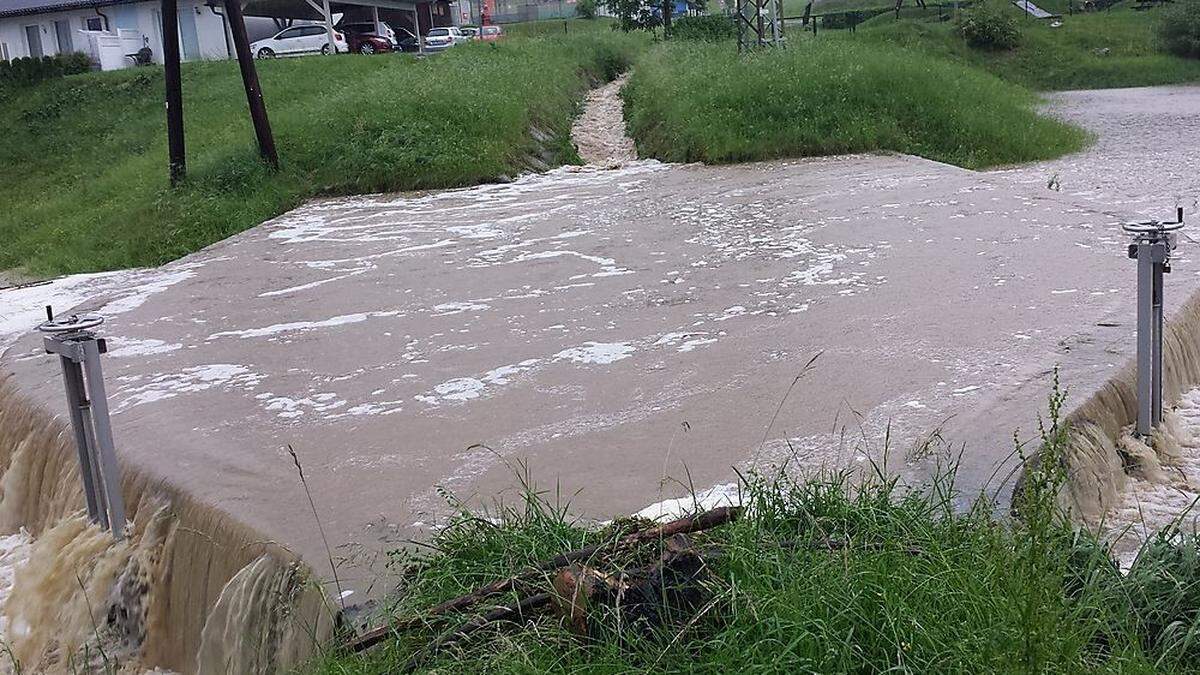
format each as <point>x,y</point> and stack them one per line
<point>438,39</point>
<point>306,39</point>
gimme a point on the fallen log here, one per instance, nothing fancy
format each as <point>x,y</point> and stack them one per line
<point>697,523</point>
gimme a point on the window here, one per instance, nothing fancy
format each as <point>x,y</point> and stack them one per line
<point>33,40</point>
<point>289,34</point>
<point>314,30</point>
<point>4,55</point>
<point>93,23</point>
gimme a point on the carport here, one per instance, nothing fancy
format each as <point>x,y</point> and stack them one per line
<point>417,16</point>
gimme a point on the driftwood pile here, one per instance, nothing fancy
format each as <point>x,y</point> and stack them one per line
<point>646,596</point>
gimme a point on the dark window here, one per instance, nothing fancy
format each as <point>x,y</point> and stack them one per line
<point>62,29</point>
<point>93,23</point>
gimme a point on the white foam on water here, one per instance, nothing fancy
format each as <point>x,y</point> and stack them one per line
<point>1160,496</point>
<point>296,326</point>
<point>461,389</point>
<point>24,307</point>
<point>14,552</point>
<point>122,347</point>
<point>187,381</point>
<point>597,353</point>
<point>724,494</point>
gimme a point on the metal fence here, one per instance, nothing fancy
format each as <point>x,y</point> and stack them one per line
<point>515,12</point>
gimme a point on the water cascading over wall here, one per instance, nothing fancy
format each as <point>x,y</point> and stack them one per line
<point>190,589</point>
<point>1102,454</point>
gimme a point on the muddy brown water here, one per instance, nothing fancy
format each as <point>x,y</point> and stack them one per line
<point>612,327</point>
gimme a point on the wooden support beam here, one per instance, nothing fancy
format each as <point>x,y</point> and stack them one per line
<point>254,97</point>
<point>176,160</point>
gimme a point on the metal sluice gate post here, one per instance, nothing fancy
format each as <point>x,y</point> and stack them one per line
<point>1152,244</point>
<point>79,351</point>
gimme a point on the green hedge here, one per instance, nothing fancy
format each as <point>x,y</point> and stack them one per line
<point>26,71</point>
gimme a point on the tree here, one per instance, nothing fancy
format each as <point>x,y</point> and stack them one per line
<point>645,14</point>
<point>585,9</point>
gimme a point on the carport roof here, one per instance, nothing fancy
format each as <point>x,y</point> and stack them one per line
<point>300,9</point>
<point>21,7</point>
<point>285,8</point>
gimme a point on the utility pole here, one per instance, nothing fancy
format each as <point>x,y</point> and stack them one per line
<point>177,162</point>
<point>254,97</point>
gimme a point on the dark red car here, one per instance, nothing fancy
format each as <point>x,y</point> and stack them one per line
<point>362,39</point>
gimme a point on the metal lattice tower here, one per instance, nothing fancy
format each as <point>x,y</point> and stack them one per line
<point>760,24</point>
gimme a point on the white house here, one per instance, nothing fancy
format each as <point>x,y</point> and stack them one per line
<point>108,29</point>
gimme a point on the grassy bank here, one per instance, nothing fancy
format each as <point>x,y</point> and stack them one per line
<point>1117,48</point>
<point>702,103</point>
<point>824,576</point>
<point>83,162</point>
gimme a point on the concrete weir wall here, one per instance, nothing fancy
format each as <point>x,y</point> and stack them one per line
<point>190,589</point>
<point>1102,455</point>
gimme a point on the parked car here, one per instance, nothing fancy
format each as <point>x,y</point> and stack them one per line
<point>438,39</point>
<point>470,32</point>
<point>362,38</point>
<point>306,39</point>
<point>491,33</point>
<point>406,41</point>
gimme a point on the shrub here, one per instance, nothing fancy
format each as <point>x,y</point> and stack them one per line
<point>585,9</point>
<point>1179,28</point>
<point>987,26</point>
<point>27,70</point>
<point>709,27</point>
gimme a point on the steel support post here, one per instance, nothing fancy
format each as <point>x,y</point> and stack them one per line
<point>73,382</point>
<point>1152,244</point>
<point>1145,338</point>
<point>87,404</point>
<point>106,455</point>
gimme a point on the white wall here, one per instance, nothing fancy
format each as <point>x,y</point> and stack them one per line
<point>141,16</point>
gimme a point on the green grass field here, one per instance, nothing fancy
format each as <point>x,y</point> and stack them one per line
<point>83,182</point>
<point>695,103</point>
<point>824,575</point>
<point>1116,48</point>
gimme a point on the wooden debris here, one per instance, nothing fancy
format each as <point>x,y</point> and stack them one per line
<point>644,598</point>
<point>697,523</point>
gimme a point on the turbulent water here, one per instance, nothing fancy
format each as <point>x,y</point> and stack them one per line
<point>608,326</point>
<point>186,581</point>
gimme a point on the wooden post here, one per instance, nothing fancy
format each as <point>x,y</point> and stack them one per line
<point>254,97</point>
<point>177,162</point>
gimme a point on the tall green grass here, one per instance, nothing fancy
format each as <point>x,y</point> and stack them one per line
<point>1116,48</point>
<point>830,575</point>
<point>700,103</point>
<point>83,162</point>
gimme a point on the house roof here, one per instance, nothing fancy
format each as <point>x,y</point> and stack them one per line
<point>22,7</point>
